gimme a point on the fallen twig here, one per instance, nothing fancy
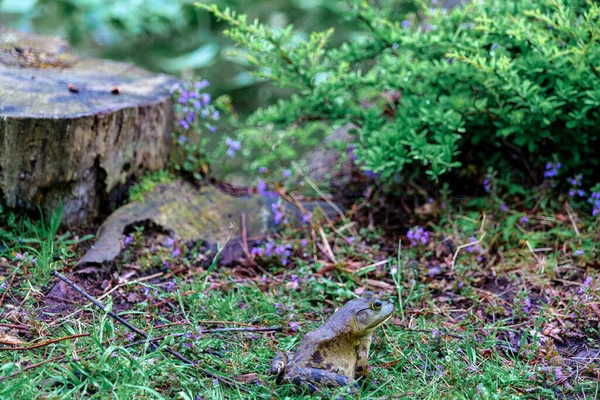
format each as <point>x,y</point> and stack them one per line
<point>120,285</point>
<point>203,331</point>
<point>15,326</point>
<point>138,331</point>
<point>12,278</point>
<point>46,343</point>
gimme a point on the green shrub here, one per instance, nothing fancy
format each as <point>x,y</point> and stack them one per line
<point>511,85</point>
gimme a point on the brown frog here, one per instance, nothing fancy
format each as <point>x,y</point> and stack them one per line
<point>337,353</point>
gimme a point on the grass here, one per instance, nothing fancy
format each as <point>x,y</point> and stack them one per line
<point>508,315</point>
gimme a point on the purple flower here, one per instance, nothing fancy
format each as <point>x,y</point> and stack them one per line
<point>494,46</point>
<point>293,325</point>
<point>487,184</point>
<point>182,139</point>
<point>278,214</point>
<point>524,220</point>
<point>303,242</point>
<point>370,174</point>
<point>257,251</point>
<point>552,169</point>
<point>406,23</point>
<point>170,242</point>
<point>350,239</point>
<point>128,239</point>
<point>586,283</point>
<point>579,252</point>
<point>504,207</point>
<point>183,124</point>
<point>417,235</point>
<point>205,98</point>
<point>475,247</point>
<point>572,192</point>
<point>558,372</point>
<point>581,193</point>
<point>19,256</point>
<point>268,249</point>
<point>215,115</point>
<point>170,286</point>
<point>213,129</point>
<point>527,306</point>
<point>176,252</point>
<point>130,337</point>
<point>201,85</point>
<point>233,145</point>
<point>262,170</point>
<point>306,218</point>
<point>215,382</point>
<point>287,173</point>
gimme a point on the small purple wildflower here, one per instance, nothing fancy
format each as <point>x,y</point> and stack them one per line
<point>586,283</point>
<point>19,256</point>
<point>128,239</point>
<point>257,251</point>
<point>435,333</point>
<point>527,306</point>
<point>293,325</point>
<point>417,235</point>
<point>370,174</point>
<point>594,200</point>
<point>233,145</point>
<point>287,173</point>
<point>487,183</point>
<point>504,207</point>
<point>182,139</point>
<point>205,98</point>
<point>558,372</point>
<point>406,23</point>
<point>278,214</point>
<point>552,169</point>
<point>524,220</point>
<point>215,115</point>
<point>213,129</point>
<point>176,252</point>
<point>170,242</point>
<point>303,242</point>
<point>170,286</point>
<point>215,382</point>
<point>201,85</point>
<point>494,46</point>
<point>306,217</point>
<point>473,248</point>
<point>183,124</point>
<point>262,170</point>
<point>130,337</point>
<point>350,239</point>
<point>579,252</point>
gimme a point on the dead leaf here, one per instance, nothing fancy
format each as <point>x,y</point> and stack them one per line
<point>380,284</point>
<point>9,340</point>
<point>247,378</point>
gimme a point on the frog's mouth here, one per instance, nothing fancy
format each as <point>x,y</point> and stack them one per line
<point>388,312</point>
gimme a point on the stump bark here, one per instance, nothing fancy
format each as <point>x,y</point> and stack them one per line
<point>75,130</point>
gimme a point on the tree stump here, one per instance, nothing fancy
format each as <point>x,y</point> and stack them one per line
<point>75,130</point>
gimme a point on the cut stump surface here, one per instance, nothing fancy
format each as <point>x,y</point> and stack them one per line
<point>75,129</point>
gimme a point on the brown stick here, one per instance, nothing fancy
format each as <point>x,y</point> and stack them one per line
<point>15,326</point>
<point>46,343</point>
<point>203,331</point>
<point>7,287</point>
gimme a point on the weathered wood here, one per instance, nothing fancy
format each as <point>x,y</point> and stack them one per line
<point>75,129</point>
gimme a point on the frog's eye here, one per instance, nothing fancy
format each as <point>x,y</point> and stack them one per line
<point>376,304</point>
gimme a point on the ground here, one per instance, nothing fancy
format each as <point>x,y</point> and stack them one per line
<point>492,302</point>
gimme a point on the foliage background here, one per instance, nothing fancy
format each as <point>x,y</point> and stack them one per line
<point>174,36</point>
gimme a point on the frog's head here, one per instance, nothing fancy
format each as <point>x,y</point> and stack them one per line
<point>360,317</point>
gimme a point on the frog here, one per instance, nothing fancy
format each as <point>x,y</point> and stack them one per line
<point>337,353</point>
